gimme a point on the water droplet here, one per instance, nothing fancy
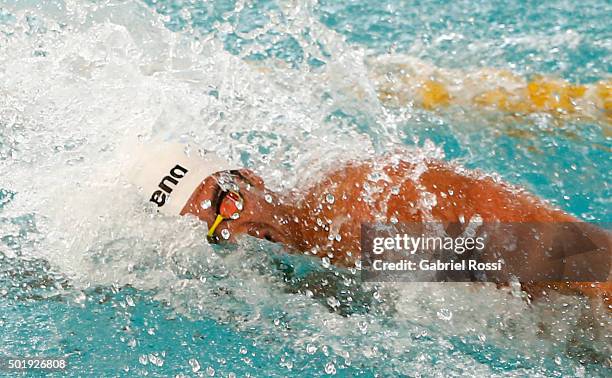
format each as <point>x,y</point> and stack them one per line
<point>186,14</point>
<point>311,349</point>
<point>325,261</point>
<point>143,359</point>
<point>243,350</point>
<point>268,198</point>
<point>80,298</point>
<point>156,360</point>
<point>205,204</point>
<point>363,327</point>
<point>429,200</point>
<point>394,220</point>
<point>195,365</point>
<point>235,216</point>
<point>338,237</point>
<point>330,368</point>
<point>225,234</point>
<point>129,301</point>
<point>333,302</point>
<point>330,198</point>
<point>445,314</point>
<point>210,371</point>
<point>395,190</point>
<point>239,205</point>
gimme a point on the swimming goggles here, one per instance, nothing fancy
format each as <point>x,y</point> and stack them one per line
<point>230,205</point>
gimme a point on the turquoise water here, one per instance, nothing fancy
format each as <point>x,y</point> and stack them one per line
<point>83,275</point>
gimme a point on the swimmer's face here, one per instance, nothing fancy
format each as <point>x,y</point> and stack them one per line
<point>261,216</point>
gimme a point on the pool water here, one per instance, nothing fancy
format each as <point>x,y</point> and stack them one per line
<point>285,88</point>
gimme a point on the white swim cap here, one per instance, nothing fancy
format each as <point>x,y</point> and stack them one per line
<point>169,173</point>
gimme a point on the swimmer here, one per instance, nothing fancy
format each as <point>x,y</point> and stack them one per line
<point>325,219</point>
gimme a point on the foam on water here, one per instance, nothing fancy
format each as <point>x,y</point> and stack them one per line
<point>79,83</point>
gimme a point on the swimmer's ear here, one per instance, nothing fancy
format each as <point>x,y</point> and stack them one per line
<point>252,178</point>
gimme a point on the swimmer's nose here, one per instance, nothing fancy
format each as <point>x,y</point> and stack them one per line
<point>212,239</point>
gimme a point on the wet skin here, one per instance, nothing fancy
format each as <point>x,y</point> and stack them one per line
<point>325,219</point>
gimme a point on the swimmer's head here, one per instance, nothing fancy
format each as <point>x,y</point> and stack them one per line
<point>180,179</point>
<point>236,202</point>
<point>168,173</point>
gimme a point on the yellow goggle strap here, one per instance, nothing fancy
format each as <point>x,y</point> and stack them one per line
<point>218,221</point>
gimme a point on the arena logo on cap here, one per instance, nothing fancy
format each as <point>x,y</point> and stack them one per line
<point>166,185</point>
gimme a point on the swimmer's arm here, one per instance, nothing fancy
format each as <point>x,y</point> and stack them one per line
<point>493,200</point>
